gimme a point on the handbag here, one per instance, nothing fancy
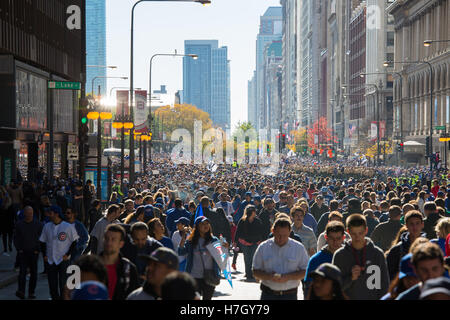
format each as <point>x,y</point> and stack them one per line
<point>209,275</point>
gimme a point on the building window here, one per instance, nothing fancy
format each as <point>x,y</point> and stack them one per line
<point>415,115</point>
<point>390,39</point>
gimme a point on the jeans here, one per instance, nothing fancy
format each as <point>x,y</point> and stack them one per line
<point>57,279</point>
<point>273,297</point>
<point>204,289</point>
<point>249,252</point>
<point>28,260</point>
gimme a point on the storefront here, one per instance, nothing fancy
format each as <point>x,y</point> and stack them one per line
<point>26,107</point>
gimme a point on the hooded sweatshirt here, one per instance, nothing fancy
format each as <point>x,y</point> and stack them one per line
<point>367,286</point>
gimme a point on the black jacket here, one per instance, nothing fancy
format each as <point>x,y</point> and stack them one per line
<point>267,218</point>
<point>397,252</point>
<point>430,223</point>
<point>130,251</point>
<point>26,235</point>
<point>219,224</point>
<point>250,232</point>
<point>127,278</point>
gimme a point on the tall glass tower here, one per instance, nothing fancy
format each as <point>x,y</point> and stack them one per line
<point>96,45</point>
<point>206,81</point>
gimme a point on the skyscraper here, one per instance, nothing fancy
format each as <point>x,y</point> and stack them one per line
<point>96,45</point>
<point>271,28</point>
<point>206,81</point>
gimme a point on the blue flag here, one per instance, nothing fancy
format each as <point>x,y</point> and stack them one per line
<point>198,212</point>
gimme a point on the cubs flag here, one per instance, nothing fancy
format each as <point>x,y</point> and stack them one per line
<point>198,212</point>
<point>220,255</point>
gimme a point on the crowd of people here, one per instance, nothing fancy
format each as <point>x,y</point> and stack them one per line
<point>336,230</point>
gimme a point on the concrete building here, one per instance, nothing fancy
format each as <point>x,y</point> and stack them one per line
<point>309,103</point>
<point>416,105</point>
<point>206,81</point>
<point>36,46</point>
<point>289,104</point>
<point>273,87</point>
<point>270,29</point>
<point>251,104</point>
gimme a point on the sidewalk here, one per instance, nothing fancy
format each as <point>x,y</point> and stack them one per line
<point>7,273</point>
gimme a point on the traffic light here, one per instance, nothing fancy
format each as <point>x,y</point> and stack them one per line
<point>268,148</point>
<point>400,147</point>
<point>427,146</point>
<point>283,141</point>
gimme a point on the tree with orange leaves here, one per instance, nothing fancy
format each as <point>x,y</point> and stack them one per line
<point>324,134</point>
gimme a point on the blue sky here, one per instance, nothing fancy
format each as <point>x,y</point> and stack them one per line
<point>162,27</point>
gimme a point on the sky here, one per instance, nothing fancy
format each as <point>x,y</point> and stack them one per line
<point>162,27</point>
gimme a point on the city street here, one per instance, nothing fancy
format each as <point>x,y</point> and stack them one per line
<point>241,290</point>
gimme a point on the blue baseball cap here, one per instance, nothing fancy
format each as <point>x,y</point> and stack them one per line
<point>148,209</point>
<point>406,269</point>
<point>200,220</point>
<point>182,220</point>
<point>248,193</point>
<point>56,209</point>
<point>324,189</point>
<point>91,290</point>
<point>257,198</point>
<point>159,206</point>
<point>159,200</point>
<point>434,286</point>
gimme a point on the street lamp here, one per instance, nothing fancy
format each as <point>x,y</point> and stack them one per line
<point>386,64</point>
<point>123,123</point>
<point>193,56</point>
<point>103,77</point>
<point>203,2</point>
<point>428,43</point>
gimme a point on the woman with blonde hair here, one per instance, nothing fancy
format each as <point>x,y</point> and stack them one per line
<point>442,231</point>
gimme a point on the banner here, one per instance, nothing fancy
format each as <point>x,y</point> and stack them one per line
<point>122,97</point>
<point>141,111</point>
<point>221,258</point>
<point>373,131</point>
<point>218,253</point>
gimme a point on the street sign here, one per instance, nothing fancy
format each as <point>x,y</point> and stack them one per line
<point>64,85</point>
<point>439,128</point>
<point>72,152</point>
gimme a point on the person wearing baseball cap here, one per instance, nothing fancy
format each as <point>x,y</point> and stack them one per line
<point>407,278</point>
<point>326,284</point>
<point>90,290</point>
<point>436,289</point>
<point>182,225</point>
<point>160,263</point>
<point>58,242</point>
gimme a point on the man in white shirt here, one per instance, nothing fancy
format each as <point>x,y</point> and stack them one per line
<point>280,263</point>
<point>98,232</point>
<point>226,205</point>
<point>58,241</point>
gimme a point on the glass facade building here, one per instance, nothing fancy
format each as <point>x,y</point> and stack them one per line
<point>206,81</point>
<point>96,45</point>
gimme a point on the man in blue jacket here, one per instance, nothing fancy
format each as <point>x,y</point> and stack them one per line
<point>335,235</point>
<point>174,214</point>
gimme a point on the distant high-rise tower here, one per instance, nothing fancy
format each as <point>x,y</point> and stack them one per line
<point>270,29</point>
<point>96,45</point>
<point>206,81</point>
